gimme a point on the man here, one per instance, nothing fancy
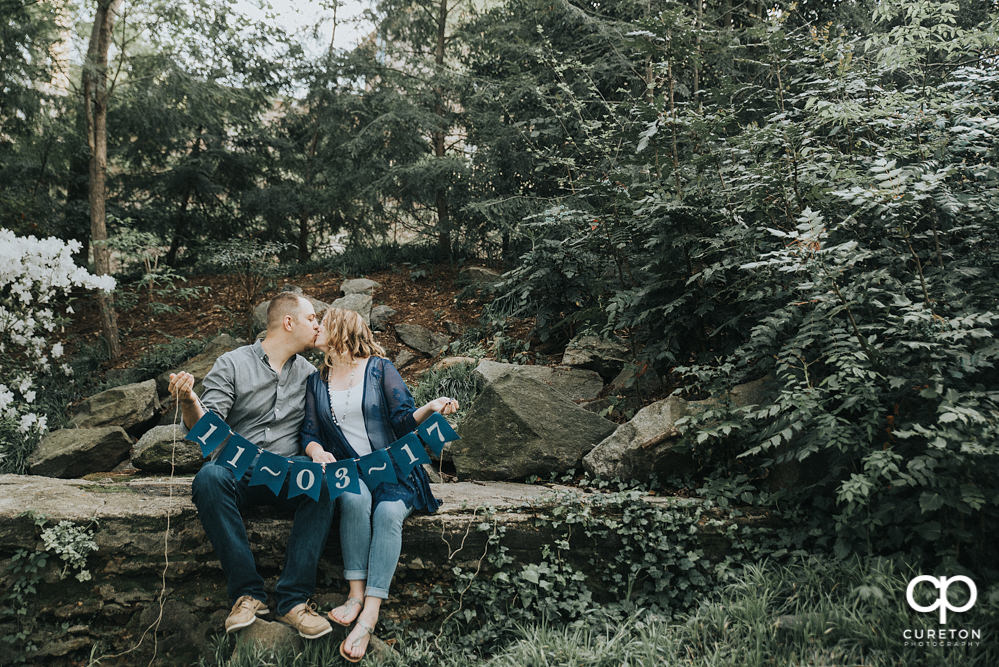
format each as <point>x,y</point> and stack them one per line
<point>259,390</point>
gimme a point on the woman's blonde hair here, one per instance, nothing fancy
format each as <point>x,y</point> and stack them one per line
<point>348,335</point>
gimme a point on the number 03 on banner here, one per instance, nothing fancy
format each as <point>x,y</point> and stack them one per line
<point>435,432</point>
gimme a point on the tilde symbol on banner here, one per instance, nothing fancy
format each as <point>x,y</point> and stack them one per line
<point>376,468</point>
<point>270,471</point>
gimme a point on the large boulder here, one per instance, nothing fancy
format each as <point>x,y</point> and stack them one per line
<point>127,406</point>
<point>380,317</point>
<point>359,286</point>
<point>153,451</point>
<point>260,311</point>
<point>75,452</point>
<point>574,383</point>
<point>201,363</point>
<point>359,303</point>
<point>421,339</point>
<point>643,446</point>
<point>594,353</point>
<point>519,427</point>
<point>649,443</point>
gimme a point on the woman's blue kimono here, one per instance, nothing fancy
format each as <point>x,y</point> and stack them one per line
<point>388,415</point>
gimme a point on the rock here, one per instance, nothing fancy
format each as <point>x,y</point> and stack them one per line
<point>153,451</point>
<point>575,384</point>
<point>421,339</point>
<point>448,362</point>
<point>479,276</point>
<point>597,405</point>
<point>359,286</point>
<point>75,452</point>
<point>359,303</point>
<point>755,392</point>
<point>519,427</point>
<point>643,446</point>
<point>404,358</point>
<point>200,364</point>
<point>588,351</point>
<point>635,379</point>
<point>127,406</point>
<point>267,638</point>
<point>433,474</point>
<point>260,311</point>
<point>380,316</point>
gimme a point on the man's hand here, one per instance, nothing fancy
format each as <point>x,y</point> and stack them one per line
<point>182,387</point>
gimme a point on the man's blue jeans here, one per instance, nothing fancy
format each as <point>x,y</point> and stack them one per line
<point>371,541</point>
<point>220,499</point>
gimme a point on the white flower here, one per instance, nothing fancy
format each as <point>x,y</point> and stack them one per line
<point>33,274</point>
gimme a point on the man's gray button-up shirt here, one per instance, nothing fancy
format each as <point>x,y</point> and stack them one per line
<point>261,405</point>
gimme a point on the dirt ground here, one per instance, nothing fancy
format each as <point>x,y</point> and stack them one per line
<point>430,301</point>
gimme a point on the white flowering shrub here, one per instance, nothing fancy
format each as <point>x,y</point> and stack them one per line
<point>36,277</point>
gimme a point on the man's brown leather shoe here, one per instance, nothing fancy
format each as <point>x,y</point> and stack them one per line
<point>244,612</point>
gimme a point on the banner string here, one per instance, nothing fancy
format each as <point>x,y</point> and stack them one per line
<point>155,625</point>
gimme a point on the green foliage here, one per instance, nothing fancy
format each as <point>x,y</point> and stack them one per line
<point>459,382</point>
<point>609,557</point>
<point>254,263</point>
<point>71,544</point>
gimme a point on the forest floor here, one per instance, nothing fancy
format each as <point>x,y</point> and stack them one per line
<point>430,300</point>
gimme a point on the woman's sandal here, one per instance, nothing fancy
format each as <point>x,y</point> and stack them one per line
<point>367,630</point>
<point>350,602</point>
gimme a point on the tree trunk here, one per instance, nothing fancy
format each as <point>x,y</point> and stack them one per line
<point>438,136</point>
<point>95,104</point>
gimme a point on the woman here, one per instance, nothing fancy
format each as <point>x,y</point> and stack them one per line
<point>356,403</point>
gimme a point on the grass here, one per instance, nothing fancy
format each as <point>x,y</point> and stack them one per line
<point>816,611</point>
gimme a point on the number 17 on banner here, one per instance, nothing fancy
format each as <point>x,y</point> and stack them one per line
<point>435,432</point>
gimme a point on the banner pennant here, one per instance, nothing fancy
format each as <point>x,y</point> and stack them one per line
<point>408,452</point>
<point>376,469</point>
<point>270,471</point>
<point>209,433</point>
<point>305,477</point>
<point>238,455</point>
<point>435,432</point>
<point>342,477</point>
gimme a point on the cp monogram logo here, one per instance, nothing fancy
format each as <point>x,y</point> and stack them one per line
<point>942,603</point>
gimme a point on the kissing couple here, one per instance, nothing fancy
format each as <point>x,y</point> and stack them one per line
<point>355,403</point>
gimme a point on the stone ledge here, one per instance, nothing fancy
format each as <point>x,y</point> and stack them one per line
<point>129,523</point>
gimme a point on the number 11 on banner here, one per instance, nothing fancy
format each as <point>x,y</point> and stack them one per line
<point>435,432</point>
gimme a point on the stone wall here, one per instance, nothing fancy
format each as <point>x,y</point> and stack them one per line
<point>130,518</point>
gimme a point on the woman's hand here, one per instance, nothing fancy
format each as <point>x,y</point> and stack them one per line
<point>322,456</point>
<point>443,405</point>
<point>316,452</point>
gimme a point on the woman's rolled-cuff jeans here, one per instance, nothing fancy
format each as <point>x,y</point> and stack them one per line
<point>371,541</point>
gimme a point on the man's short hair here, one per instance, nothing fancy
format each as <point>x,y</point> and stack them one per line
<point>285,303</point>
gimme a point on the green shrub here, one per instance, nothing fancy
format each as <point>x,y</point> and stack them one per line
<point>459,382</point>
